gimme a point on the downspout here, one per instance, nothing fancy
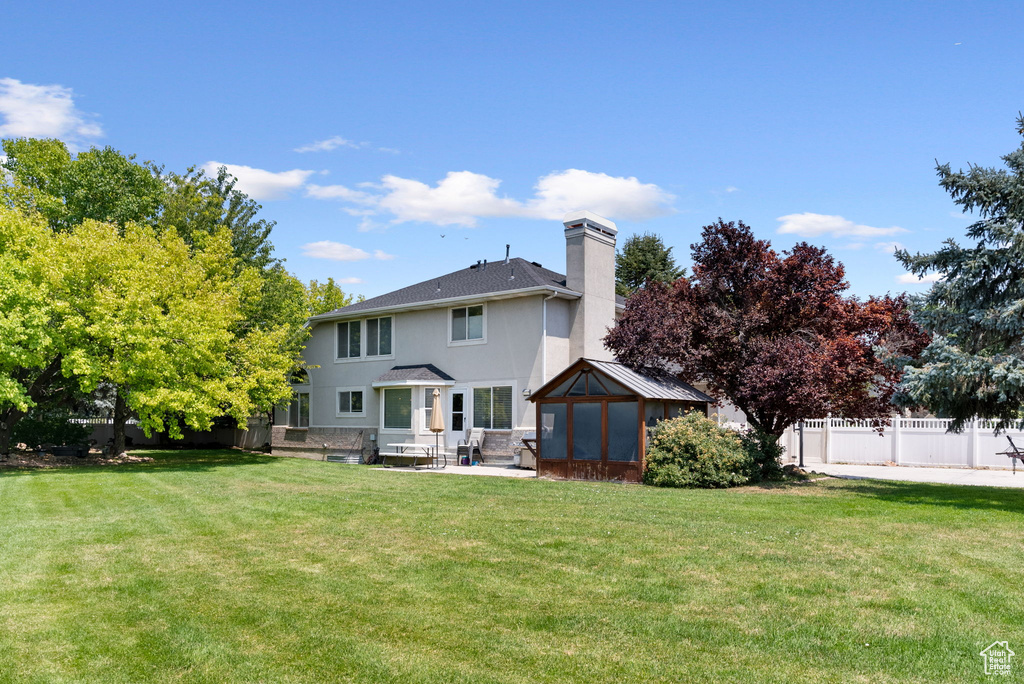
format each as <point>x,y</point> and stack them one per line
<point>544,340</point>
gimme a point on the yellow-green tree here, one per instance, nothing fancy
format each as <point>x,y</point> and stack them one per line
<point>29,363</point>
<point>156,318</point>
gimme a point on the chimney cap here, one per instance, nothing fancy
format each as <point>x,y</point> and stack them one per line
<point>590,220</point>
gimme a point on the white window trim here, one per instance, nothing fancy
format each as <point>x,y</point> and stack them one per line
<point>397,431</point>
<point>516,398</point>
<point>424,423</point>
<point>465,343</point>
<point>350,359</point>
<point>353,388</point>
<point>366,344</point>
<point>288,409</point>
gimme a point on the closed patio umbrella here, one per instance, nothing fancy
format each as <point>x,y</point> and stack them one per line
<point>437,419</point>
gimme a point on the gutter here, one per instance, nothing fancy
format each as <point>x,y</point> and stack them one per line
<point>341,314</point>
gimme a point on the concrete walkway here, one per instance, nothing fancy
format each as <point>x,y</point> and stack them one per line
<point>493,471</point>
<point>954,476</point>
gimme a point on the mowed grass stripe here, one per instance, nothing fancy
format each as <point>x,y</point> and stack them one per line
<point>220,566</point>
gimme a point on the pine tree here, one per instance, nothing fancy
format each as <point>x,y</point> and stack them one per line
<point>644,257</point>
<point>974,365</point>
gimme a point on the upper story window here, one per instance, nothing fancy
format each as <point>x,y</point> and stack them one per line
<point>378,336</point>
<point>348,334</point>
<point>468,323</point>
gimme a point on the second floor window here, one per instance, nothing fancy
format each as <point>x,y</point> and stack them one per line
<point>348,340</point>
<point>378,337</point>
<point>468,323</point>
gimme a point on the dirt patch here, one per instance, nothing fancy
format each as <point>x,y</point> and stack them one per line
<point>32,459</point>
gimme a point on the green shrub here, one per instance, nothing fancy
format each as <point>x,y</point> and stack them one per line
<point>694,451</point>
<point>49,427</point>
<point>766,455</point>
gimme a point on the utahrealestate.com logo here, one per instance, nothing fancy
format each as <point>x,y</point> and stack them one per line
<point>997,658</point>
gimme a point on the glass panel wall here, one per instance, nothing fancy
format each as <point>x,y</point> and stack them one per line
<point>623,439</point>
<point>554,431</point>
<point>586,431</point>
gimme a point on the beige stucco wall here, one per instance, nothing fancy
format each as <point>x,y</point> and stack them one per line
<point>510,354</point>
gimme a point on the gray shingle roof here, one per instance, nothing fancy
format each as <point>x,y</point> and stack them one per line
<point>424,372</point>
<point>651,384</point>
<point>495,278</point>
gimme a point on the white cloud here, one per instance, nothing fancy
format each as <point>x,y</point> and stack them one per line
<point>336,251</point>
<point>732,188</point>
<point>911,279</point>
<point>460,198</point>
<point>889,247</point>
<point>348,281</point>
<point>329,144</point>
<point>260,184</point>
<point>815,225</point>
<point>610,196</point>
<point>463,197</point>
<point>42,111</point>
<point>339,192</point>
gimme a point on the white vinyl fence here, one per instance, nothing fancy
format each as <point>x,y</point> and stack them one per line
<point>907,441</point>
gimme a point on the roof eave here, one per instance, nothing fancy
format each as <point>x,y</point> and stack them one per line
<point>437,303</point>
<point>412,383</point>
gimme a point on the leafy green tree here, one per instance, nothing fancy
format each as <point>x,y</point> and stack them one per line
<point>196,204</point>
<point>324,297</point>
<point>974,365</point>
<point>266,335</point>
<point>159,326</point>
<point>642,258</point>
<point>100,184</point>
<point>27,365</point>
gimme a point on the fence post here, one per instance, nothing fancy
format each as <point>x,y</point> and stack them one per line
<point>972,461</point>
<point>827,439</point>
<point>897,428</point>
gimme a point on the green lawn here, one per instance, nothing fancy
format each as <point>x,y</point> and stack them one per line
<point>226,567</point>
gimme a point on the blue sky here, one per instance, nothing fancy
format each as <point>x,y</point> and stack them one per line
<point>369,130</point>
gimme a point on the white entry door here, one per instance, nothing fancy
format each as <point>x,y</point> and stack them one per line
<point>458,416</point>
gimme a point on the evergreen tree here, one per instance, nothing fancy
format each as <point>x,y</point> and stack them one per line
<point>974,365</point>
<point>642,258</point>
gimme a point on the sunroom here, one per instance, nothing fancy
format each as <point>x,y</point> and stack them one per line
<point>592,419</point>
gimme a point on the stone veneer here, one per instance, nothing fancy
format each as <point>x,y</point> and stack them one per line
<point>319,443</point>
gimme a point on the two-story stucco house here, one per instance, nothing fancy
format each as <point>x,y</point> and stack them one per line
<point>486,336</point>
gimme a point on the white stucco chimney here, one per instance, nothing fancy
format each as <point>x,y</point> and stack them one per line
<point>590,269</point>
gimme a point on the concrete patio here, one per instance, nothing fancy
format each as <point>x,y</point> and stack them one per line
<point>486,470</point>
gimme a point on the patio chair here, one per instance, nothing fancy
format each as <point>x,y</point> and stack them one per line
<point>470,446</point>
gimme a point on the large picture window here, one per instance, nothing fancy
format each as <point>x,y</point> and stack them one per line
<point>492,407</point>
<point>468,323</point>
<point>298,410</point>
<point>398,408</point>
<point>378,337</point>
<point>348,340</point>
